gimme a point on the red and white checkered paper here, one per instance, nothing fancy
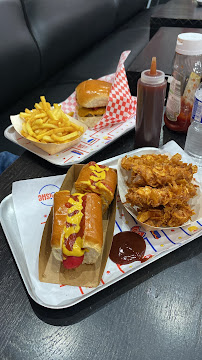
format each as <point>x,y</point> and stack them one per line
<point>121,105</point>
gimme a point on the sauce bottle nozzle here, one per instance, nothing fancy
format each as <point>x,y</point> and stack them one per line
<point>153,66</point>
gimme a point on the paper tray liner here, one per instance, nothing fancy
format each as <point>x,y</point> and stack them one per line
<point>51,270</point>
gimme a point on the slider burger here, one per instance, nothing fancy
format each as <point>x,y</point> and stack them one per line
<point>92,98</point>
<point>77,233</point>
<point>99,179</point>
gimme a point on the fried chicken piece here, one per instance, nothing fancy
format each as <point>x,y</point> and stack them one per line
<point>161,188</point>
<point>167,216</point>
<point>153,197</point>
<point>149,160</point>
<point>159,175</point>
<point>157,170</point>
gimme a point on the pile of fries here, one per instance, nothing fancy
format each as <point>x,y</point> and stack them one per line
<point>46,124</point>
<point>160,187</point>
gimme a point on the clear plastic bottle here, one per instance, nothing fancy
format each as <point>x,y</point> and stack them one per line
<point>186,77</point>
<point>193,144</point>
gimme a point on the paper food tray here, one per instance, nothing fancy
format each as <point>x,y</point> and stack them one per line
<point>158,243</point>
<point>87,275</point>
<point>92,142</point>
<point>48,148</point>
<point>124,176</point>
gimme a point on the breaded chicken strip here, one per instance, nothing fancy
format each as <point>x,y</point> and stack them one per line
<point>150,160</point>
<point>159,175</point>
<point>167,216</point>
<point>157,164</point>
<point>161,187</point>
<point>147,196</point>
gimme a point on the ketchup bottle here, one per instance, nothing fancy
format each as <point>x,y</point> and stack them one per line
<point>151,90</point>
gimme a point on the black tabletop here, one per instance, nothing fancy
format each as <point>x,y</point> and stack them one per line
<point>154,313</point>
<point>182,13</point>
<point>162,46</point>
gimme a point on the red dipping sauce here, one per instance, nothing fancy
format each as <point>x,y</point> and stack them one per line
<point>127,247</point>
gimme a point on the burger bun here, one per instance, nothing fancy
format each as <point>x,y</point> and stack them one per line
<point>93,93</point>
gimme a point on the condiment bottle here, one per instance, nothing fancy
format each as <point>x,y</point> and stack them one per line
<point>151,89</point>
<point>186,77</point>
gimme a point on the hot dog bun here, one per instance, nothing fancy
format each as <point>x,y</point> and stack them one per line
<point>59,219</point>
<point>99,179</point>
<point>93,232</point>
<point>77,233</point>
<point>92,98</point>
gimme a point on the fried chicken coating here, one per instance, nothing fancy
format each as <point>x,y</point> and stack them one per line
<point>161,188</point>
<point>157,170</point>
<point>167,216</point>
<point>159,175</point>
<point>149,160</point>
<point>171,194</point>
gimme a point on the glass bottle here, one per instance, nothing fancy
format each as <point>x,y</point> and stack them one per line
<point>186,77</point>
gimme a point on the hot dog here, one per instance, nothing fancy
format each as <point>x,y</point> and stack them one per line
<point>99,179</point>
<point>77,233</point>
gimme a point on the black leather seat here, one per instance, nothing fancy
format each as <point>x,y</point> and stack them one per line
<point>69,41</point>
<point>19,56</point>
<point>64,29</point>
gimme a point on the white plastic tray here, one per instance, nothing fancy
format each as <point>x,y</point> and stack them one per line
<point>158,244</point>
<point>92,142</point>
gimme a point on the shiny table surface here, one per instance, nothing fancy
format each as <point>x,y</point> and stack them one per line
<point>153,314</point>
<point>162,45</point>
<point>181,13</point>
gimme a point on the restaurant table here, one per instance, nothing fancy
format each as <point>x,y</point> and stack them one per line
<point>182,13</point>
<point>154,313</point>
<point>162,45</point>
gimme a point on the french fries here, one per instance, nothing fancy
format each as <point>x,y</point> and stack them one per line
<point>46,124</point>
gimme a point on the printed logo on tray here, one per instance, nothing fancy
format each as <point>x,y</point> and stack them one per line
<point>155,234</point>
<point>46,194</point>
<point>138,230</point>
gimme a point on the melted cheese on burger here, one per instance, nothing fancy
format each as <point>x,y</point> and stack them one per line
<point>91,111</point>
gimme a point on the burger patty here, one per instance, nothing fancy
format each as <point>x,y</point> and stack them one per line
<point>91,111</point>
